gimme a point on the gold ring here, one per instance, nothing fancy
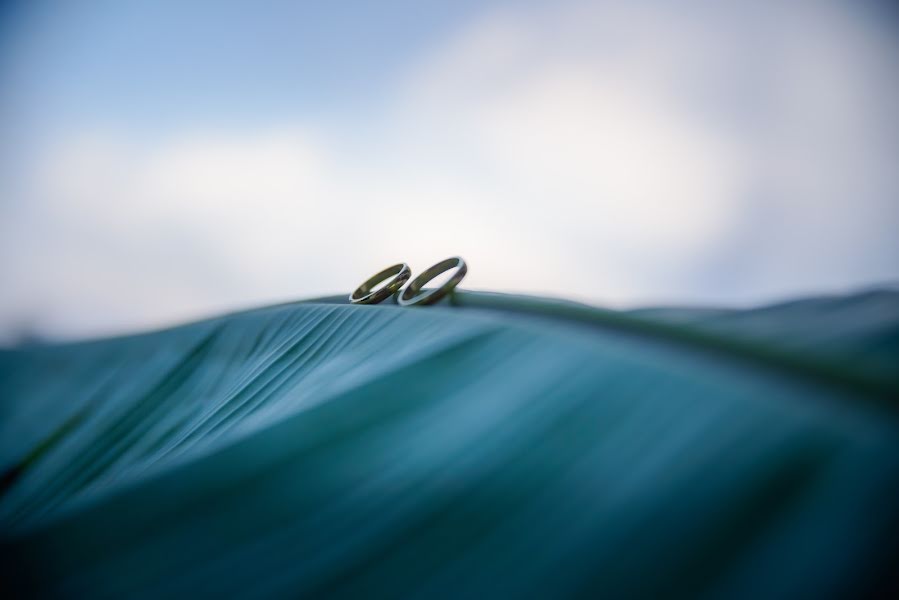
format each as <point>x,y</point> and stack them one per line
<point>364,294</point>
<point>410,296</point>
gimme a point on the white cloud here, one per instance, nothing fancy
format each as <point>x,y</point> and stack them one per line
<point>617,154</point>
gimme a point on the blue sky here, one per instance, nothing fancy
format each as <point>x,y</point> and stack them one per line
<point>163,161</point>
<point>176,62</point>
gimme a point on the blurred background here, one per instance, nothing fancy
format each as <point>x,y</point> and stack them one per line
<point>168,160</point>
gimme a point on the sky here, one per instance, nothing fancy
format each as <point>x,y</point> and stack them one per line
<point>166,161</point>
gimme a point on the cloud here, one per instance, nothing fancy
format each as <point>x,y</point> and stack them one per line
<point>616,154</point>
<point>669,145</point>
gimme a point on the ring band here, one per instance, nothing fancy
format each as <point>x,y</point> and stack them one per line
<point>364,294</point>
<point>410,296</point>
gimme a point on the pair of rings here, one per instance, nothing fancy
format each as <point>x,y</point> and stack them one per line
<point>412,295</point>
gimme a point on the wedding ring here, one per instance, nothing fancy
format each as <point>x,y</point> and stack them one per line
<point>411,296</point>
<point>364,294</point>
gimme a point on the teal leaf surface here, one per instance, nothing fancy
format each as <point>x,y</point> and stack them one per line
<point>490,446</point>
